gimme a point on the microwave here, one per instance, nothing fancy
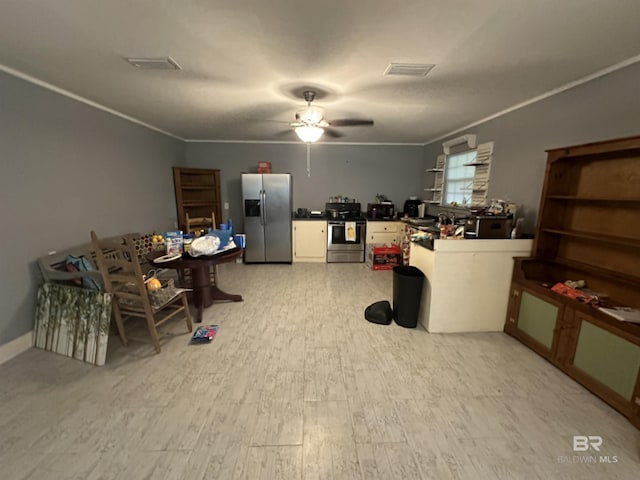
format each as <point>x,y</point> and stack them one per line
<point>380,210</point>
<point>489,226</point>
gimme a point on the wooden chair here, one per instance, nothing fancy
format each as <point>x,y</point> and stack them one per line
<point>197,223</point>
<point>123,278</point>
<point>192,225</point>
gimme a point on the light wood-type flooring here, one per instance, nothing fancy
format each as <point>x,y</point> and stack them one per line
<point>297,385</point>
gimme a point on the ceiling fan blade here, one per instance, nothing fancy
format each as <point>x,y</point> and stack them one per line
<point>330,132</point>
<point>350,122</point>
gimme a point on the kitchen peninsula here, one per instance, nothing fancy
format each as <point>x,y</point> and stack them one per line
<point>467,283</point>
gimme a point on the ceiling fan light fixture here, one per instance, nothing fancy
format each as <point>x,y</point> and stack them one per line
<point>309,133</point>
<point>311,115</point>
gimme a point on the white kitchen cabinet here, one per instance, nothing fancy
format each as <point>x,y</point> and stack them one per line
<point>384,232</point>
<point>309,241</point>
<point>467,283</point>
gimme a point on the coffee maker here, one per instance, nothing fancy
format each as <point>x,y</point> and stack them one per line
<point>411,207</point>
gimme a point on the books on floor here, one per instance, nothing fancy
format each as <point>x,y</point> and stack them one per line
<point>204,334</point>
<point>625,314</point>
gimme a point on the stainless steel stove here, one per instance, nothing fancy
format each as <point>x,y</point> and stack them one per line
<point>346,233</point>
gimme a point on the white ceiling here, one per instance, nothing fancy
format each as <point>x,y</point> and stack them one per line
<point>246,62</point>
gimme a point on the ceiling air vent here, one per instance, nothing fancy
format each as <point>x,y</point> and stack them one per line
<point>409,69</point>
<point>164,63</point>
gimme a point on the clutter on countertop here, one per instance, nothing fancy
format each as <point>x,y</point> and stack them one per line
<point>342,199</point>
<point>573,293</point>
<point>173,242</point>
<point>575,283</point>
<point>624,314</point>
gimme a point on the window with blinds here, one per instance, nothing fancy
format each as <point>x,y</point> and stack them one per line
<point>466,176</point>
<point>459,175</point>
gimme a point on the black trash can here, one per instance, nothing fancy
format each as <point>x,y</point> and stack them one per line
<point>407,293</point>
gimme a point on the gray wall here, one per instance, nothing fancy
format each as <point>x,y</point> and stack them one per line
<point>608,107</point>
<point>67,168</point>
<point>359,171</point>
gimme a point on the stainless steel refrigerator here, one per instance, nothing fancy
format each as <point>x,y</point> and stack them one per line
<point>267,202</point>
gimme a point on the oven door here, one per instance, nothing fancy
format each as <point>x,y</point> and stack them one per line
<point>336,236</point>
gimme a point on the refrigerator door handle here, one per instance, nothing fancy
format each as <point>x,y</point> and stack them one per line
<point>261,195</point>
<point>264,207</point>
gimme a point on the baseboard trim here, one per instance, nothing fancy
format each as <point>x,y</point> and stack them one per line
<point>16,347</point>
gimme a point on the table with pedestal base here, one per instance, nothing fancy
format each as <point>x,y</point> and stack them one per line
<point>205,293</point>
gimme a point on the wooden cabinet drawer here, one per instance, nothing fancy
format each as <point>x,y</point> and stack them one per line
<point>382,227</point>
<point>387,238</point>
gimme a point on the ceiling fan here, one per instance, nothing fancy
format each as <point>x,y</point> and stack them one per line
<point>310,123</point>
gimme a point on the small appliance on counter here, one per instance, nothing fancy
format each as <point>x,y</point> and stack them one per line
<point>489,226</point>
<point>301,213</point>
<point>412,207</point>
<point>306,213</point>
<point>380,211</point>
<point>422,210</point>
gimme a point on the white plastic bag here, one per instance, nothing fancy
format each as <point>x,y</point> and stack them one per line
<point>206,245</point>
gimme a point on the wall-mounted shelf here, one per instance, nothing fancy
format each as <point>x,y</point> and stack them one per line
<point>438,179</point>
<point>475,164</point>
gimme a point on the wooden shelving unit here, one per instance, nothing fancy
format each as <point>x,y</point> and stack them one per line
<point>611,199</point>
<point>438,181</point>
<point>588,229</point>
<point>197,193</point>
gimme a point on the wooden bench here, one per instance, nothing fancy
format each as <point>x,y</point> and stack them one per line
<point>54,265</point>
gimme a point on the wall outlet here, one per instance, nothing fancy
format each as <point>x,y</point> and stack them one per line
<point>226,205</point>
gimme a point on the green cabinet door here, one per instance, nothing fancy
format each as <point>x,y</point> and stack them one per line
<point>537,318</point>
<point>608,358</point>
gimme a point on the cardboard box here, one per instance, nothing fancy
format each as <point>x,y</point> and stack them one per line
<point>264,167</point>
<point>383,257</point>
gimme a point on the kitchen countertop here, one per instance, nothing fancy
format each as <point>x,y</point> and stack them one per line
<point>322,218</point>
<point>419,222</point>
<point>478,271</point>
<point>477,245</point>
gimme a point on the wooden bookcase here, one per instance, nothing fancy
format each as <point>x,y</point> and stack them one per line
<point>588,229</point>
<point>197,193</point>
